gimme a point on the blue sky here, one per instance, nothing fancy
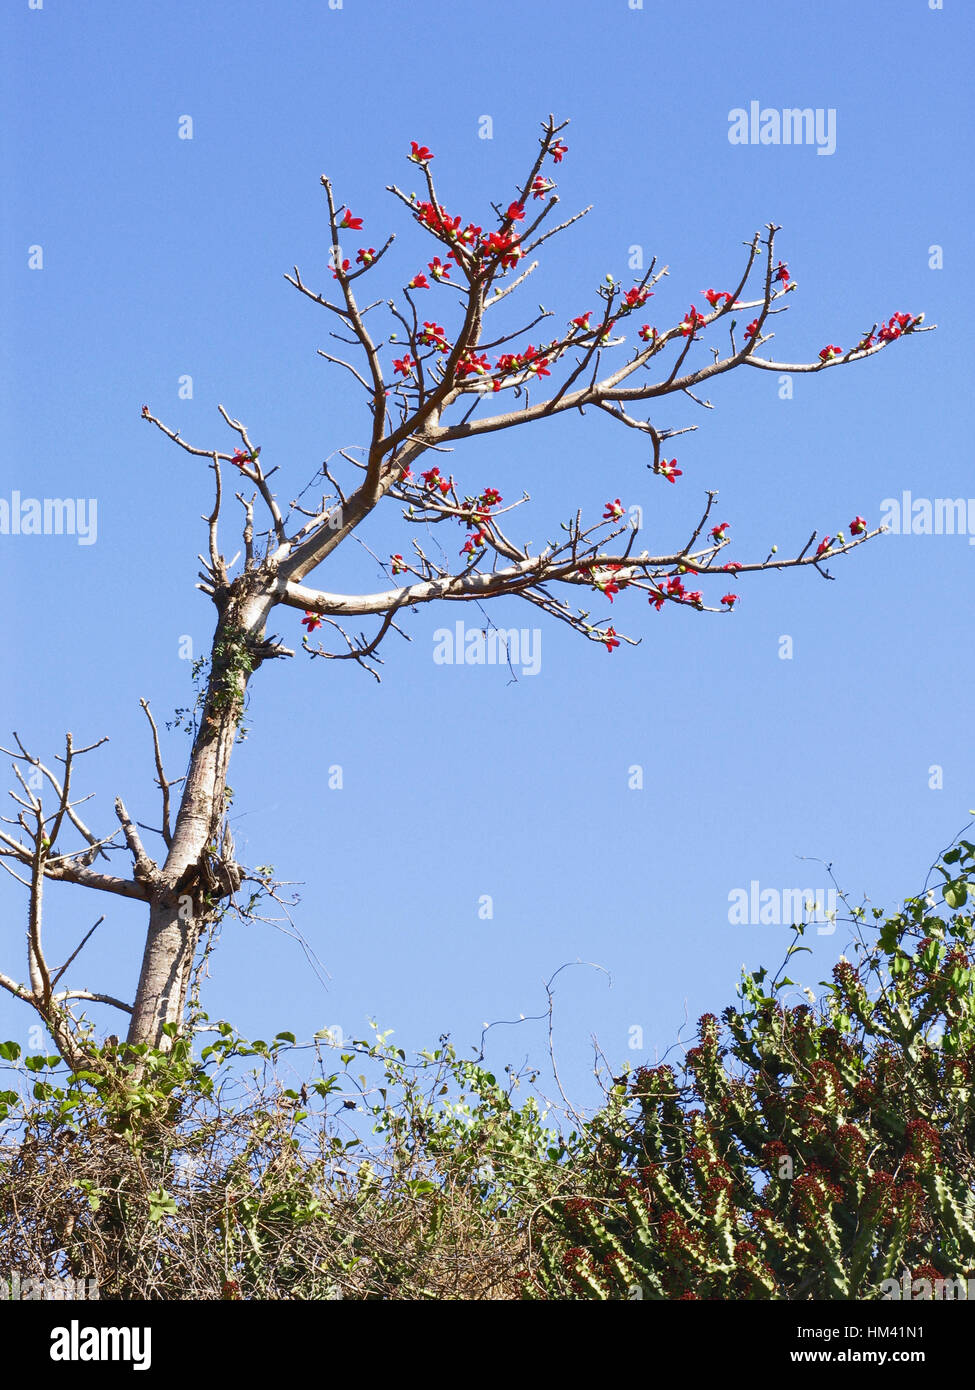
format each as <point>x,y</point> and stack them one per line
<point>165,256</point>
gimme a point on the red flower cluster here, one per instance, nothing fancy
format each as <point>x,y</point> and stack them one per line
<point>605,581</point>
<point>674,590</point>
<point>472,365</point>
<point>830,352</point>
<point>894,327</point>
<point>503,243</point>
<point>433,336</point>
<point>432,480</point>
<point>636,297</point>
<point>399,564</point>
<point>541,186</point>
<point>611,639</point>
<point>533,360</point>
<point>437,221</point>
<point>858,526</point>
<point>691,322</point>
<point>340,269</point>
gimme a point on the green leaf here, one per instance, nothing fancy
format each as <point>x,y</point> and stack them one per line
<point>956,894</point>
<point>160,1205</point>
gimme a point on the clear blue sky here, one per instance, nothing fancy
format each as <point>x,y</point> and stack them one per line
<point>165,257</point>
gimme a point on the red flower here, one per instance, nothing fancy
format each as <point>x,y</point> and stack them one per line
<point>614,510</point>
<point>240,458</point>
<point>366,257</point>
<point>471,364</point>
<point>438,270</point>
<point>732,565</point>
<point>437,221</point>
<point>830,352</point>
<point>611,639</point>
<point>432,479</point>
<point>691,322</point>
<point>823,546</point>
<point>474,542</point>
<point>145,410</point>
<point>714,297</point>
<point>729,599</point>
<point>670,470</point>
<point>419,153</point>
<point>541,186</point>
<point>894,327</point>
<point>515,213</point>
<point>490,497</point>
<point>751,329</point>
<point>403,365</point>
<point>399,564</point>
<point>857,526</point>
<point>583,321</point>
<point>353,223</point>
<point>559,151</point>
<point>340,270</point>
<point>718,532</point>
<point>647,333</point>
<point>636,297</point>
<point>433,336</point>
<point>419,282</point>
<point>503,244</point>
<point>311,621</point>
<point>782,271</point>
<point>533,360</point>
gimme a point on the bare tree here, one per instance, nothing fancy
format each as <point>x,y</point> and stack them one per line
<point>445,387</point>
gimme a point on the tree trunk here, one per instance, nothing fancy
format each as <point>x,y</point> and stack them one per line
<point>183,896</point>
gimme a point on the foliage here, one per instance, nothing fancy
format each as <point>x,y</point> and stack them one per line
<point>809,1150</point>
<point>802,1152</point>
